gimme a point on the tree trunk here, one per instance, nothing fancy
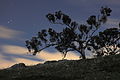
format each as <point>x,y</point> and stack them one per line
<point>83,54</point>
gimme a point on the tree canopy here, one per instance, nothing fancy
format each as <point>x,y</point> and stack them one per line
<point>74,37</point>
<point>106,42</point>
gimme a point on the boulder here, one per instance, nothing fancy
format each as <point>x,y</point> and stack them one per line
<point>19,65</point>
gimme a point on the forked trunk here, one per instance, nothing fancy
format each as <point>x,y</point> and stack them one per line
<point>82,52</point>
<point>83,55</point>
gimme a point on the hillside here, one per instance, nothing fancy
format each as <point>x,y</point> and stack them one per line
<point>106,68</point>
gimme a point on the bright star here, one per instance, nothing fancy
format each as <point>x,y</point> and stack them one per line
<point>10,21</point>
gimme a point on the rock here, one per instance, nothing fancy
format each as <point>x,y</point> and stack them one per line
<point>20,65</point>
<point>47,62</point>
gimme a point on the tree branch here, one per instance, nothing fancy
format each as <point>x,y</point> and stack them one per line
<point>46,47</point>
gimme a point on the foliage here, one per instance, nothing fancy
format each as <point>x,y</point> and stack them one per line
<point>73,37</point>
<point>107,42</point>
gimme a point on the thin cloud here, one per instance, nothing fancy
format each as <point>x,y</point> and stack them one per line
<point>117,2</point>
<point>14,49</point>
<point>56,56</point>
<point>112,22</point>
<point>79,2</point>
<point>76,1</point>
<point>19,55</point>
<point>7,33</point>
<point>12,54</point>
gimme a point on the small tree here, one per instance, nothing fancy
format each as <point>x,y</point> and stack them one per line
<point>73,37</point>
<point>106,42</point>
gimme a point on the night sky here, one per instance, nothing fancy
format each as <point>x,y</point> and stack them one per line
<point>22,19</point>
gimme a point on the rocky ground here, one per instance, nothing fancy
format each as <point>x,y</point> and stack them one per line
<point>106,68</point>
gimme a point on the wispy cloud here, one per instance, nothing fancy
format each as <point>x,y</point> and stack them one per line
<point>117,2</point>
<point>11,54</point>
<point>81,3</point>
<point>14,49</point>
<point>86,2</point>
<point>112,22</point>
<point>7,33</point>
<point>56,56</point>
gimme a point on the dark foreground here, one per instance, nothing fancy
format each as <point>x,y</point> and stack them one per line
<point>107,68</point>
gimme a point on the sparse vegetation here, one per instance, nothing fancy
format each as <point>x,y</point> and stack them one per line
<point>107,42</point>
<point>102,68</point>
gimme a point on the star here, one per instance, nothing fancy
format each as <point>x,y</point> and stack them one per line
<point>9,21</point>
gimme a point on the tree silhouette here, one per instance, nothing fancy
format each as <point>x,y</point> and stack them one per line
<point>73,37</point>
<point>106,42</point>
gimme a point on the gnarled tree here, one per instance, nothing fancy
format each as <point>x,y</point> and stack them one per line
<point>73,37</point>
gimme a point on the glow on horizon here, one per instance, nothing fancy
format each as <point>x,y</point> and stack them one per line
<point>21,51</point>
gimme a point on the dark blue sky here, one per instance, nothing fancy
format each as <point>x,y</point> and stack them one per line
<point>22,19</point>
